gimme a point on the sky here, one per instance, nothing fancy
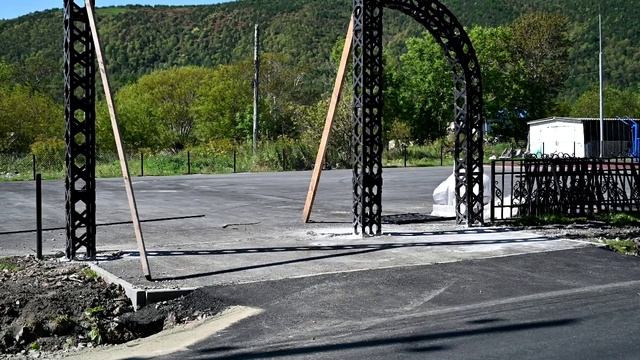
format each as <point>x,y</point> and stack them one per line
<point>10,9</point>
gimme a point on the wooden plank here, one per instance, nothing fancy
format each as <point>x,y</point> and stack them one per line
<point>322,150</point>
<point>119,145</point>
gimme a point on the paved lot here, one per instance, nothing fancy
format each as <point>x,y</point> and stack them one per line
<point>267,199</point>
<point>572,304</point>
<point>252,229</point>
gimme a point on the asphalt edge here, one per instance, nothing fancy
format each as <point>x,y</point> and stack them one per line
<point>170,341</point>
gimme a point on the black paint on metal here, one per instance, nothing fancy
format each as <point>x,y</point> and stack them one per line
<point>80,114</point>
<point>141,164</point>
<point>33,162</point>
<point>412,218</point>
<point>368,103</point>
<point>564,185</point>
<point>188,163</point>
<point>404,153</point>
<point>235,155</point>
<point>38,217</point>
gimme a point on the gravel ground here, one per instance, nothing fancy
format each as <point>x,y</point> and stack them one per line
<point>598,232</point>
<point>49,308</point>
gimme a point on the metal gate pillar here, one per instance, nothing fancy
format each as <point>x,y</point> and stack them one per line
<point>367,117</point>
<point>80,117</point>
<point>367,109</point>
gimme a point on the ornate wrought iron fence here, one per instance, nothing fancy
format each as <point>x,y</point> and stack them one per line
<point>563,185</point>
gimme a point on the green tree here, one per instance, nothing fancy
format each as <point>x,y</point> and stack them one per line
<point>224,108</point>
<point>540,44</point>
<point>282,90</point>
<point>157,111</point>
<point>420,91</point>
<point>618,103</point>
<point>25,117</point>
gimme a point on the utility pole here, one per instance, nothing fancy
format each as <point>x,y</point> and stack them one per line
<point>256,87</point>
<point>601,89</point>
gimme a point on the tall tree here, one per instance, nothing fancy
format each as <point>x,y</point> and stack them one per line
<point>540,44</point>
<point>618,103</point>
<point>224,106</point>
<point>25,117</point>
<point>157,111</point>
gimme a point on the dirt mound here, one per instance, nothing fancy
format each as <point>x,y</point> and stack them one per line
<point>52,306</point>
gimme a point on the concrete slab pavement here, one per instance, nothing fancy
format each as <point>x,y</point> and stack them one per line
<point>251,229</point>
<point>290,253</point>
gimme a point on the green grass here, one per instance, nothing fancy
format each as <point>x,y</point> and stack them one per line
<point>297,156</point>
<point>615,219</point>
<point>91,312</point>
<point>627,247</point>
<point>62,320</point>
<point>550,219</point>
<point>622,219</point>
<point>95,335</point>
<point>90,274</point>
<point>7,264</point>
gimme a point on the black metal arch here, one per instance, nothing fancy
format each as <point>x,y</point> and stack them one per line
<point>367,143</point>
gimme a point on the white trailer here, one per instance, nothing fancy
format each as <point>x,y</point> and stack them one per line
<point>557,136</point>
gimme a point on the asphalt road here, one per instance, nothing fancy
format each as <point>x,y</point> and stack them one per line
<point>273,200</point>
<point>572,304</point>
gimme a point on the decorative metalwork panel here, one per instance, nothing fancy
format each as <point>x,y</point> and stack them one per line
<point>367,108</point>
<point>79,101</point>
<point>564,185</point>
<point>367,118</point>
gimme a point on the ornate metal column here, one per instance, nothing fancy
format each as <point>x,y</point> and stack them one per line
<point>80,115</point>
<point>367,117</point>
<point>367,109</point>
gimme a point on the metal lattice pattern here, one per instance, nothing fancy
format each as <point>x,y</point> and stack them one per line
<point>563,185</point>
<point>79,100</point>
<point>367,118</point>
<point>367,108</point>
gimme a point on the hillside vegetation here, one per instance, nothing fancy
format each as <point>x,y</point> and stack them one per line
<point>183,79</point>
<point>141,39</point>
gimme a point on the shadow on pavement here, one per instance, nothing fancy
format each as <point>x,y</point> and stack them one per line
<point>362,249</point>
<point>375,342</point>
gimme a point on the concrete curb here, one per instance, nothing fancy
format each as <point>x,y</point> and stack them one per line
<point>139,296</point>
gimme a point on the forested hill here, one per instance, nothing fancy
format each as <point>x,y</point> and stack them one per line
<point>141,39</point>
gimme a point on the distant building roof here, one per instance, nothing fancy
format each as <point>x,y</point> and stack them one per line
<point>568,119</point>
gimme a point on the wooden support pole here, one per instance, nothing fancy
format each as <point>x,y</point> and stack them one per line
<point>119,145</point>
<point>322,150</point>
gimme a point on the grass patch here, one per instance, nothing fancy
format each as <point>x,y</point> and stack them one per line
<point>627,247</point>
<point>96,310</point>
<point>95,335</point>
<point>622,219</point>
<point>615,219</point>
<point>276,155</point>
<point>90,274</point>
<point>7,264</point>
<point>550,219</point>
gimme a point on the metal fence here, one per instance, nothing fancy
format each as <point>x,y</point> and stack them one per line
<point>563,185</point>
<point>51,165</point>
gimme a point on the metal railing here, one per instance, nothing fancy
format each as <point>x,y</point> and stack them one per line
<point>563,185</point>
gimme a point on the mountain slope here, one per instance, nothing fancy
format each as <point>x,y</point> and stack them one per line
<point>141,39</point>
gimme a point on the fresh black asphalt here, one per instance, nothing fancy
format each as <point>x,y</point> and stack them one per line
<point>572,304</point>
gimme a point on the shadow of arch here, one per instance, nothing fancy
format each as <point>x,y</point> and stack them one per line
<point>367,144</point>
